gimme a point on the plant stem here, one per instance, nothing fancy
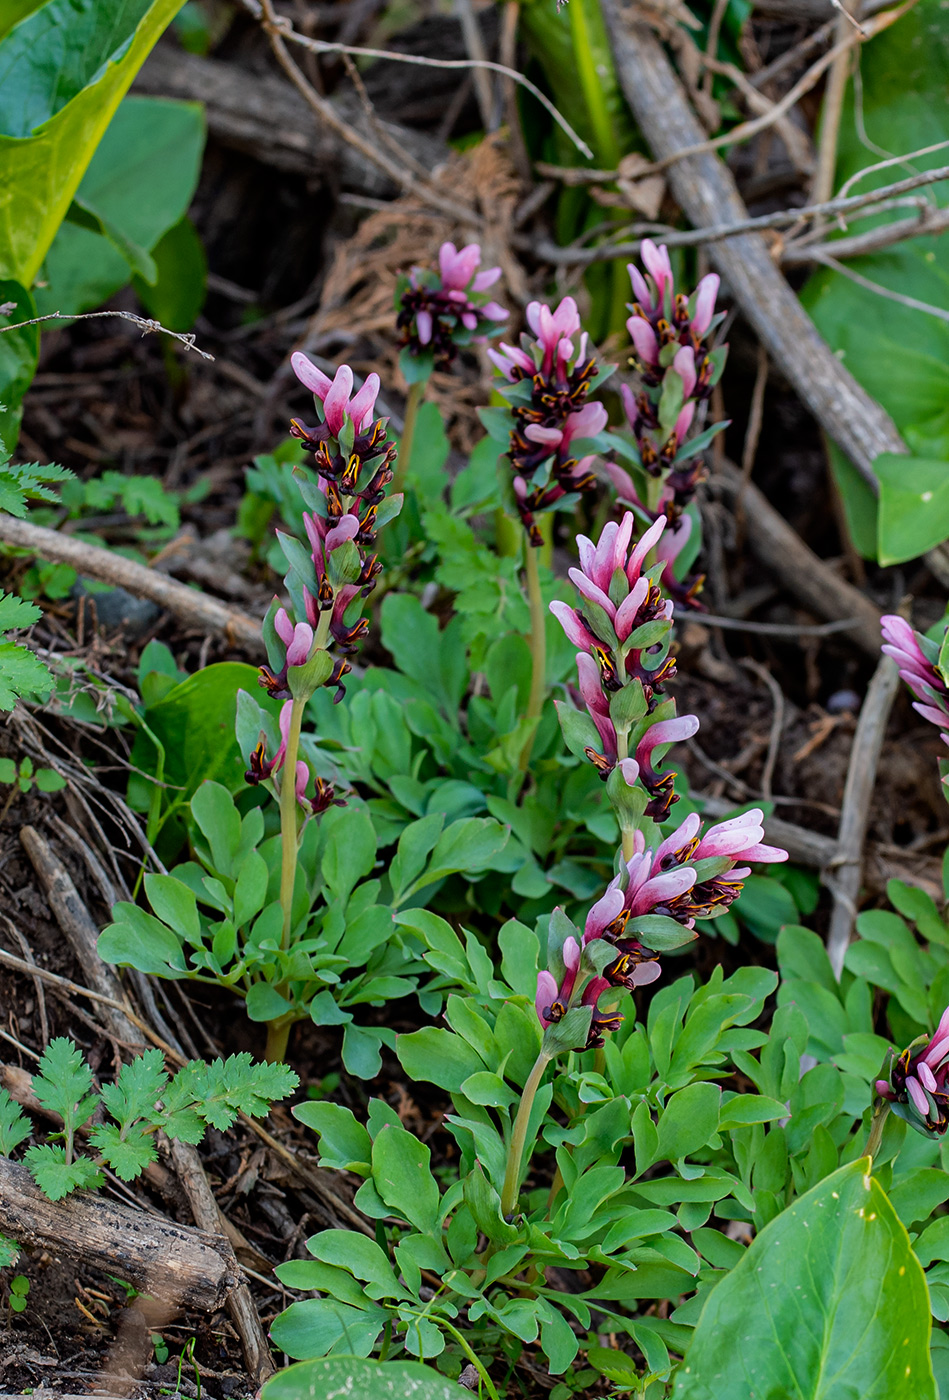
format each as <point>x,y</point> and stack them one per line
<point>628,834</point>
<point>875,1137</point>
<point>412,404</point>
<point>512,1176</point>
<point>538,641</point>
<point>278,1037</point>
<point>288,820</point>
<point>453,1331</point>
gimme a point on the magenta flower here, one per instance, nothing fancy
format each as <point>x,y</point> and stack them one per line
<point>651,295</point>
<point>705,295</point>
<point>552,1001</point>
<point>339,403</point>
<point>916,1082</point>
<point>644,339</point>
<point>439,311</point>
<point>298,639</point>
<point>261,767</point>
<point>916,658</point>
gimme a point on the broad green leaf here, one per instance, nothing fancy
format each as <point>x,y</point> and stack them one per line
<point>355,1379</point>
<point>402,1174</point>
<point>181,278</point>
<point>63,71</point>
<point>362,1257</point>
<point>688,1120</point>
<point>138,186</point>
<point>436,1056</point>
<point>19,352</point>
<point>913,515</point>
<point>344,1142</point>
<point>349,848</point>
<point>828,1303</point>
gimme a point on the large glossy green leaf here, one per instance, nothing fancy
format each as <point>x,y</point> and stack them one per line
<point>138,186</point>
<point>828,1303</point>
<point>63,71</point>
<point>900,355</point>
<point>913,514</point>
<point>351,1378</point>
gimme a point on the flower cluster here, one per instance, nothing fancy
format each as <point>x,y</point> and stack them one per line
<point>916,1083</point>
<point>649,908</point>
<point>918,661</point>
<point>438,311</point>
<point>677,371</point>
<point>622,626</point>
<point>549,378</point>
<point>330,576</point>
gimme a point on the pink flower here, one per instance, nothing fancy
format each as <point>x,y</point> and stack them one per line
<point>644,339</point>
<point>917,1082</point>
<point>552,328</point>
<point>912,653</point>
<point>298,639</point>
<point>705,295</point>
<point>334,394</point>
<point>457,267</point>
<point>508,358</point>
<point>657,264</point>
<point>684,366</point>
<point>740,838</point>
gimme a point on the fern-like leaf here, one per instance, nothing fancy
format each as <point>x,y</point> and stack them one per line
<point>14,1125</point>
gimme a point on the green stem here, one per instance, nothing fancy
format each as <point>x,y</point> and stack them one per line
<point>453,1331</point>
<point>538,641</point>
<point>628,833</point>
<point>412,405</point>
<point>288,820</point>
<point>512,1176</point>
<point>880,1115</point>
<point>278,1037</point>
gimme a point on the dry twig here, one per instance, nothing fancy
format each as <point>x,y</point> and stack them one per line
<point>188,605</point>
<point>842,874</point>
<point>146,326</point>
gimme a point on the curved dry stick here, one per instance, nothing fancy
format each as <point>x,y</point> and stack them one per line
<point>188,605</point>
<point>844,872</point>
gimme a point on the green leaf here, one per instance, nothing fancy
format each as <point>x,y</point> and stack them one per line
<point>688,1120</point>
<point>344,1142</point>
<point>362,1257</point>
<point>176,296</point>
<point>136,939</point>
<point>22,676</point>
<point>485,1206</point>
<point>349,850</point>
<point>913,515</point>
<point>19,353</point>
<point>63,1082</point>
<point>127,1151</point>
<point>14,1125</point>
<point>468,846</point>
<point>264,1003</point>
<point>401,1172</point>
<point>436,1056</point>
<point>9,1252</point>
<point>139,1086</point>
<point>828,1302</point>
<point>56,1177</point>
<point>359,1380</point>
<point>63,71</point>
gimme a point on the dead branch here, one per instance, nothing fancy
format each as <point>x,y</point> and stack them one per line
<point>146,326</point>
<point>843,873</point>
<point>189,606</point>
<point>181,1266</point>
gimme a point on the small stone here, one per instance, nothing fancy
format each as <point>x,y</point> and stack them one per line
<point>843,700</point>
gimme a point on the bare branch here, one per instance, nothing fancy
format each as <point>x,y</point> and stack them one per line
<point>146,326</point>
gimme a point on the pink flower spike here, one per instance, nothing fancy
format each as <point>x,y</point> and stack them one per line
<point>363,403</point>
<point>917,1094</point>
<point>607,908</point>
<point>424,326</point>
<point>547,437</point>
<point>346,528</point>
<point>644,339</point>
<point>926,1076</point>
<point>485,279</point>
<point>687,831</point>
<point>684,421</point>
<point>657,264</point>
<point>298,651</point>
<point>573,626</point>
<point>661,888</point>
<point>586,422</point>
<point>337,399</point>
<point>667,731</point>
<point>705,295</point>
<point>684,366</point>
<point>646,972</point>
<point>641,292</point>
<point>457,267</point>
<point>626,612</point>
<point>589,590</point>
<point>649,539</point>
<point>309,376</point>
<point>283,626</point>
<point>546,995</point>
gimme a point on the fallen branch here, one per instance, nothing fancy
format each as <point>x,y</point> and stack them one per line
<point>180,1266</point>
<point>843,873</point>
<point>188,605</point>
<point>780,548</point>
<point>705,189</point>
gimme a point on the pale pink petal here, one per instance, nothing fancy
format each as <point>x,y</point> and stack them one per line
<point>646,972</point>
<point>589,590</point>
<point>283,626</point>
<point>573,625</point>
<point>916,1093</point>
<point>604,911</point>
<point>337,399</point>
<point>486,279</point>
<point>686,831</point>
<point>312,378</point>
<point>644,339</point>
<point>299,649</point>
<point>926,1076</point>
<point>424,326</point>
<point>684,366</point>
<point>626,612</point>
<point>645,544</point>
<point>641,292</point>
<point>546,995</point>
<point>705,295</point>
<point>360,410</point>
